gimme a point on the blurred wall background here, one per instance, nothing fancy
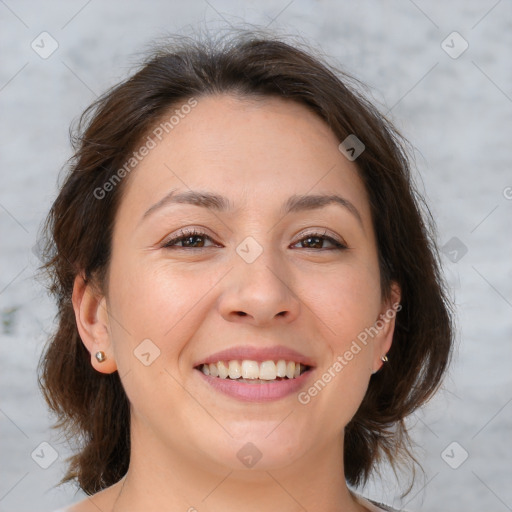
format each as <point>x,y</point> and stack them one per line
<point>440,70</point>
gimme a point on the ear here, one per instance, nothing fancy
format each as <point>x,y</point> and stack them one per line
<point>92,321</point>
<point>385,325</point>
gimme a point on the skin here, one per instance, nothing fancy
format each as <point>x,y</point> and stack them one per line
<point>185,436</point>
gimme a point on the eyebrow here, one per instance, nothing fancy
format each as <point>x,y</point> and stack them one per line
<point>218,203</point>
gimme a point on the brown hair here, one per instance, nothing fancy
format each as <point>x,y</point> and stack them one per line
<point>92,407</point>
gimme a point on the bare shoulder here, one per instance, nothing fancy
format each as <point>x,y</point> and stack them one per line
<point>374,506</point>
<point>85,505</point>
<point>103,500</point>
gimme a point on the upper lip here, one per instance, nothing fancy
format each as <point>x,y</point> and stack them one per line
<point>259,354</point>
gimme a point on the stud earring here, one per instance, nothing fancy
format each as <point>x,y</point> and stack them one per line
<point>100,356</point>
<point>384,359</point>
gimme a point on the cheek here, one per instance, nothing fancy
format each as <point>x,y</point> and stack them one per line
<point>163,304</point>
<point>158,305</point>
<point>153,317</point>
<point>346,301</point>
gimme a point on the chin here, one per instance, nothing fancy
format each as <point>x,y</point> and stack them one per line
<point>260,447</point>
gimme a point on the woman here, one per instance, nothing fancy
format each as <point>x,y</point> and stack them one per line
<point>250,302</point>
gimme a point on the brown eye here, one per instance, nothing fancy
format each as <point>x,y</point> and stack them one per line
<point>190,239</point>
<point>316,240</point>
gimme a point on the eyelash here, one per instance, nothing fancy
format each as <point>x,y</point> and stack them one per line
<point>184,234</point>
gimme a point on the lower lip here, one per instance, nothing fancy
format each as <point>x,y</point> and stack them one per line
<point>265,392</point>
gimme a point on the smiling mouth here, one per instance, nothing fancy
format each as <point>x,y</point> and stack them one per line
<point>254,372</point>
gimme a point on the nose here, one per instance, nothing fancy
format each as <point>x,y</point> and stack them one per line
<point>259,293</point>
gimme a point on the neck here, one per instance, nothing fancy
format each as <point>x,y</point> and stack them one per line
<point>158,479</point>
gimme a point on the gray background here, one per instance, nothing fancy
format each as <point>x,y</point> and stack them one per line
<point>456,111</point>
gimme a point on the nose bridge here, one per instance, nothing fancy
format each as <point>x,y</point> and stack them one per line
<point>259,285</point>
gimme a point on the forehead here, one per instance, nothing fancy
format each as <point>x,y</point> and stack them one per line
<point>255,151</point>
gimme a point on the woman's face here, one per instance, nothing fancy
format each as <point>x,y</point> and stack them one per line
<point>260,279</point>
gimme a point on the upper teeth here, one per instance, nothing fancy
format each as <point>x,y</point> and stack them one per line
<point>267,370</point>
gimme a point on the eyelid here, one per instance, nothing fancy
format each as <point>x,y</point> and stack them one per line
<point>186,232</point>
<point>324,232</point>
<point>338,242</point>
